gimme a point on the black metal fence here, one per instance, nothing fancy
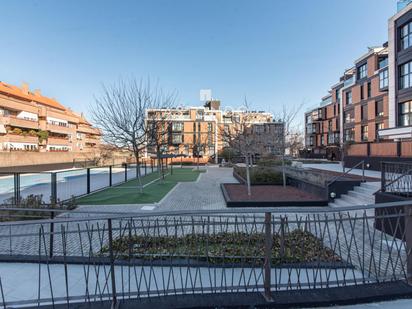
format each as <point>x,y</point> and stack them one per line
<point>63,185</point>
<point>88,257</point>
<point>396,178</point>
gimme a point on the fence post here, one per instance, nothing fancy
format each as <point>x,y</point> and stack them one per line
<point>88,180</point>
<point>51,238</point>
<point>408,242</point>
<point>53,197</point>
<point>17,188</point>
<point>282,238</point>
<point>125,172</point>
<point>268,256</point>
<point>383,175</point>
<point>151,161</point>
<point>112,274</point>
<point>145,168</point>
<point>171,168</point>
<point>110,175</point>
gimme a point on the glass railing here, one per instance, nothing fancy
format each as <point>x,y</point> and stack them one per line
<point>349,81</point>
<point>402,4</point>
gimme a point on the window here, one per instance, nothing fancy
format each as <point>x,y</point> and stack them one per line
<point>177,126</point>
<point>349,116</point>
<point>364,133</point>
<point>364,112</point>
<point>369,89</point>
<point>406,36</point>
<point>405,114</point>
<point>361,92</point>
<point>383,79</point>
<point>330,125</point>
<point>349,135</point>
<point>177,138</point>
<point>405,71</point>
<point>379,108</point>
<point>379,126</point>
<point>337,93</point>
<point>348,97</point>
<point>383,62</point>
<point>362,71</point>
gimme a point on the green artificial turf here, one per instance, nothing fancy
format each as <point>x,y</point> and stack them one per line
<point>129,193</point>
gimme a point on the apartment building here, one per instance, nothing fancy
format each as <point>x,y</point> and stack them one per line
<point>375,113</point>
<point>197,131</point>
<point>30,121</point>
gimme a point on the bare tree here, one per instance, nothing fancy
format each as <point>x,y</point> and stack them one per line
<point>238,136</point>
<point>120,113</point>
<point>288,138</point>
<point>158,128</point>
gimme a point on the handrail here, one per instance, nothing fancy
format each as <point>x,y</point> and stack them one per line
<point>347,172</point>
<point>383,187</point>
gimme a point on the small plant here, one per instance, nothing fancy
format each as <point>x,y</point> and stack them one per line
<point>17,131</point>
<point>43,135</point>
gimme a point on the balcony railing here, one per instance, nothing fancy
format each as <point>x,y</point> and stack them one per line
<point>19,122</point>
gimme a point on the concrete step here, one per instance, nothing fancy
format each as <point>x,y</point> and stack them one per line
<point>342,203</point>
<point>364,190</point>
<point>352,200</point>
<point>362,197</point>
<point>371,185</point>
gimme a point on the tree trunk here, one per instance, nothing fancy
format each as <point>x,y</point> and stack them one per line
<point>138,174</point>
<point>283,169</point>
<point>248,175</point>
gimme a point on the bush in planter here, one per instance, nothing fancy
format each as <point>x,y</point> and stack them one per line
<point>273,162</point>
<point>260,175</point>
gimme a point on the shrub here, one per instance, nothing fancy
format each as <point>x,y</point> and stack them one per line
<point>260,175</point>
<point>273,162</point>
<point>43,135</point>
<point>17,131</point>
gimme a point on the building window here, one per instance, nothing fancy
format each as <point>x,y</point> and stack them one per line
<point>349,116</point>
<point>406,36</point>
<point>362,71</point>
<point>383,62</point>
<point>383,79</point>
<point>364,133</point>
<point>361,92</point>
<point>405,114</point>
<point>348,97</point>
<point>379,108</point>
<point>405,71</point>
<point>337,93</point>
<point>379,126</point>
<point>350,135</point>
<point>364,112</point>
<point>177,126</point>
<point>369,89</point>
<point>330,125</point>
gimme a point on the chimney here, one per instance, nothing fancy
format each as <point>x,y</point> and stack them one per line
<point>25,88</point>
<point>37,92</point>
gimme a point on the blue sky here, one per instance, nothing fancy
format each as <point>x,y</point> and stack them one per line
<point>273,52</point>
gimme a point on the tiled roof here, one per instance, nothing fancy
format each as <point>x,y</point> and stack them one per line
<point>30,96</point>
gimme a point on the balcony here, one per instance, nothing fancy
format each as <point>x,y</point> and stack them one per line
<point>19,122</point>
<point>58,129</point>
<point>88,130</point>
<point>91,140</point>
<point>58,141</point>
<point>17,138</point>
<point>349,82</point>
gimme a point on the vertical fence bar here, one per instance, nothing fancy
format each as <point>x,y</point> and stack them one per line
<point>53,196</point>
<point>51,236</point>
<point>151,163</point>
<point>408,242</point>
<point>17,188</point>
<point>88,180</point>
<point>268,255</point>
<point>125,172</point>
<point>145,169</point>
<point>383,176</point>
<point>110,175</point>
<point>282,238</point>
<point>112,274</point>
<point>171,168</point>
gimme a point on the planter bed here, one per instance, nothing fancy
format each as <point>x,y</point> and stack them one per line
<point>269,196</point>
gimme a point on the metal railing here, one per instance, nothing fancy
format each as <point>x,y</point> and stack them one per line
<point>396,178</point>
<point>346,173</point>
<point>82,256</point>
<point>59,186</point>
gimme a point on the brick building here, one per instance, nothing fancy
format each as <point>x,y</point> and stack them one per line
<point>374,99</point>
<point>30,121</point>
<point>197,131</point>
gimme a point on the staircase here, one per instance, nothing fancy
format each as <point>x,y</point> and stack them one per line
<point>360,195</point>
